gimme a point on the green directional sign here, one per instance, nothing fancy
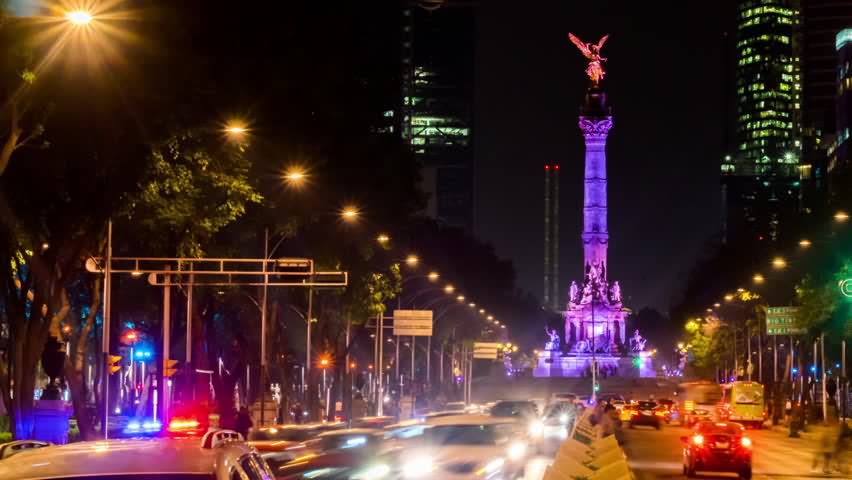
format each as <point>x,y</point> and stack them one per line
<point>781,321</point>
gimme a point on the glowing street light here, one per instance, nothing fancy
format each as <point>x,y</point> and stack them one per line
<point>482,311</point>
<point>294,176</point>
<point>460,298</point>
<point>841,216</point>
<point>680,345</point>
<point>709,310</point>
<point>778,263</point>
<point>433,276</point>
<point>758,278</point>
<point>449,289</point>
<point>805,243</point>
<point>740,290</point>
<point>489,318</point>
<point>383,239</point>
<point>471,305</point>
<point>502,326</point>
<point>235,129</point>
<point>79,18</point>
<point>729,297</point>
<point>412,260</point>
<point>716,305</point>
<point>691,326</point>
<point>349,213</point>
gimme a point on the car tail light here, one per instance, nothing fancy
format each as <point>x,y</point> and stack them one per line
<point>183,425</point>
<point>746,442</point>
<point>634,414</point>
<point>660,414</point>
<point>698,440</point>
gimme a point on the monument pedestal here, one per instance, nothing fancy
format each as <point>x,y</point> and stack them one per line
<point>51,421</point>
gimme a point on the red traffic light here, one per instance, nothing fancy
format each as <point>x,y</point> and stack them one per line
<point>130,337</point>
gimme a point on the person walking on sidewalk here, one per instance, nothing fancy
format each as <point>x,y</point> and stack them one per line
<point>827,442</point>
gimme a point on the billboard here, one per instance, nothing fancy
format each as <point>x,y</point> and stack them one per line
<point>412,323</point>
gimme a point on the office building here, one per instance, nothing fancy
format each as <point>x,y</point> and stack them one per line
<point>840,149</point>
<point>437,103</point>
<point>762,175</point>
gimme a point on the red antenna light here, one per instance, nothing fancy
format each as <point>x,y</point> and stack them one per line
<point>556,167</point>
<point>547,167</point>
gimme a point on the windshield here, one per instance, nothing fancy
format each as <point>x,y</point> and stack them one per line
<point>463,435</point>
<point>748,396</point>
<point>647,405</point>
<point>280,434</point>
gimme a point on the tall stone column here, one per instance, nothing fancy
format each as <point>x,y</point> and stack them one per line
<point>595,124</point>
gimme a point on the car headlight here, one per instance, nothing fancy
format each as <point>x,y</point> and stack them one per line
<point>491,467</point>
<point>517,450</point>
<point>536,428</point>
<point>373,472</point>
<point>563,419</point>
<point>418,467</point>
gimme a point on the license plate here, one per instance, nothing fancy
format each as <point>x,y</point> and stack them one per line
<point>722,444</point>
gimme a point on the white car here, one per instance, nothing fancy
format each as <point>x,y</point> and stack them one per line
<point>466,447</point>
<point>219,455</point>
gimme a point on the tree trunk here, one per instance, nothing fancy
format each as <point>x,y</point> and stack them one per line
<point>75,367</point>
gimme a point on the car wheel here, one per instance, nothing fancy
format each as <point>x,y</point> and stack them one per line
<point>658,425</point>
<point>745,473</point>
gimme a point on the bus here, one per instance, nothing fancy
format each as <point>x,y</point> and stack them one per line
<point>698,401</point>
<point>743,402</point>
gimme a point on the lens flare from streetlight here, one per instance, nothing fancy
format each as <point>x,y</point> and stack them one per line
<point>778,263</point>
<point>841,216</point>
<point>717,305</point>
<point>449,289</point>
<point>79,18</point>
<point>729,297</point>
<point>482,311</point>
<point>805,243</point>
<point>740,290</point>
<point>349,213</point>
<point>412,260</point>
<point>758,278</point>
<point>433,276</point>
<point>489,318</point>
<point>383,239</point>
<point>294,176</point>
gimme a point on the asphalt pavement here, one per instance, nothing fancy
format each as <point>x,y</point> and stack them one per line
<point>656,454</point>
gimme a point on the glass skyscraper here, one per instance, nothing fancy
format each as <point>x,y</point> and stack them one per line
<point>437,110</point>
<point>762,175</point>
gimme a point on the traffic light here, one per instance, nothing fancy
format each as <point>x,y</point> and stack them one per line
<point>130,337</point>
<point>597,387</point>
<point>637,362</point>
<point>111,363</point>
<point>169,367</point>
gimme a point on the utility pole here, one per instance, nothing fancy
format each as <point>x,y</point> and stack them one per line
<point>380,322</point>
<point>824,377</point>
<point>105,340</point>
<point>167,333</point>
<point>263,365</point>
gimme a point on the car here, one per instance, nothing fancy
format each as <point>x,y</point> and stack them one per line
<point>696,416</point>
<point>372,422</point>
<point>514,408</point>
<point>279,444</point>
<point>717,447</point>
<point>354,453</point>
<point>563,397</point>
<point>218,455</point>
<point>12,448</point>
<point>459,407</point>
<point>646,413</point>
<point>555,424</point>
<point>466,447</point>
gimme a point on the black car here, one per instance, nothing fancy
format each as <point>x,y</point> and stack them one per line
<point>515,408</point>
<point>646,413</point>
<point>717,447</point>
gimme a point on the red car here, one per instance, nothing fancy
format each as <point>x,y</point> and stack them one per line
<point>717,447</point>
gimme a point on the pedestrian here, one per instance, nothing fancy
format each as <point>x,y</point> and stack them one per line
<point>243,422</point>
<point>827,443</point>
<point>359,407</point>
<point>298,413</point>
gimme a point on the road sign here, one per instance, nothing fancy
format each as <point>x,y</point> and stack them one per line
<point>781,321</point>
<point>486,350</point>
<point>416,323</point>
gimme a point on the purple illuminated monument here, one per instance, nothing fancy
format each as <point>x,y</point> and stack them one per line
<point>594,329</point>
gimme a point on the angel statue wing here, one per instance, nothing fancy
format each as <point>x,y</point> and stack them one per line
<point>582,46</point>
<point>602,41</point>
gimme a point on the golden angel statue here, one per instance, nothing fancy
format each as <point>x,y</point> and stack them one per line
<point>595,70</point>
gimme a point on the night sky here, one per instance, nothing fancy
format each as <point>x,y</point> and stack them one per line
<point>666,87</point>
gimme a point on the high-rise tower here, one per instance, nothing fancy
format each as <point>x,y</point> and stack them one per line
<point>762,178</point>
<point>551,295</point>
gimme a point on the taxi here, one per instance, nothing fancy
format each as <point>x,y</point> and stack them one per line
<point>218,455</point>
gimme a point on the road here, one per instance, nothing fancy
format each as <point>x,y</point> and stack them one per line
<point>656,455</point>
